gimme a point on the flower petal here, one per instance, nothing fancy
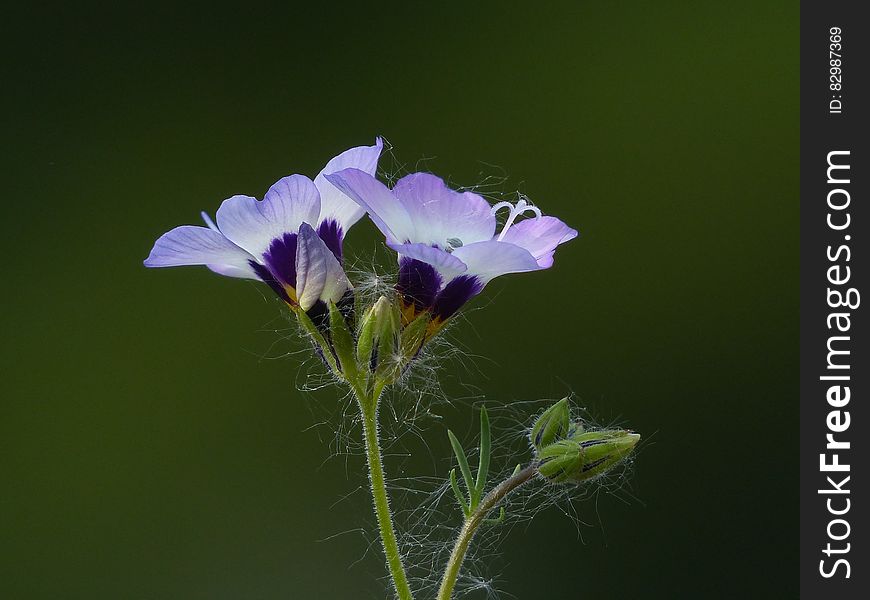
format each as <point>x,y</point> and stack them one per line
<point>440,214</point>
<point>418,284</point>
<point>334,204</point>
<point>384,209</point>
<point>319,275</point>
<point>253,224</point>
<point>231,271</point>
<point>447,265</point>
<point>540,237</point>
<point>490,259</point>
<point>332,235</point>
<point>455,294</point>
<point>280,259</point>
<point>193,245</point>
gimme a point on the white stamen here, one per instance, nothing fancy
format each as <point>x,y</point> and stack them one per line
<point>515,210</point>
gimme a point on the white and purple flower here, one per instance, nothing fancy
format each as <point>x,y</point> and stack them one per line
<point>291,239</point>
<point>447,241</point>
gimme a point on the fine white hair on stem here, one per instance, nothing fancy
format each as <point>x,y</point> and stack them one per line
<point>426,514</point>
<point>428,517</point>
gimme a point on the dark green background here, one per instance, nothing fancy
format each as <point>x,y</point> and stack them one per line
<point>148,450</point>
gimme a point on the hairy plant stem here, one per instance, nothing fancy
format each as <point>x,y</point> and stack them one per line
<point>473,522</point>
<point>368,403</point>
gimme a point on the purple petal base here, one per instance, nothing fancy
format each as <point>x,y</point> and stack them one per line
<point>418,283</point>
<point>332,234</point>
<point>455,294</point>
<point>281,258</point>
<point>280,268</point>
<point>269,279</point>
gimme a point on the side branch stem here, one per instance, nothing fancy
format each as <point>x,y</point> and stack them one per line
<point>369,408</point>
<point>469,528</point>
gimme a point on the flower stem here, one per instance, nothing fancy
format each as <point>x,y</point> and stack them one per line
<point>469,528</point>
<point>369,408</point>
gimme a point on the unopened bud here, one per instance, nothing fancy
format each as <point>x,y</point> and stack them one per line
<point>377,330</point>
<point>585,456</point>
<point>552,425</point>
<point>559,460</point>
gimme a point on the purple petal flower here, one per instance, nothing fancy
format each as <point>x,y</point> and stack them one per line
<point>447,240</point>
<point>335,207</point>
<point>540,237</point>
<point>291,240</point>
<point>192,245</point>
<point>319,275</point>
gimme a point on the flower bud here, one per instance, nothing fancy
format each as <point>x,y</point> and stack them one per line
<point>377,330</point>
<point>552,425</point>
<point>585,456</point>
<point>559,460</point>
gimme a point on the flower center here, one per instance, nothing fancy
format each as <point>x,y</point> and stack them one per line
<point>515,210</point>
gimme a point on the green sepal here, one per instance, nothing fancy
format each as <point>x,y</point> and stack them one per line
<point>366,338</point>
<point>552,425</point>
<point>412,336</point>
<point>386,353</point>
<point>342,341</point>
<point>560,461</point>
<point>603,450</point>
<point>311,329</point>
<point>388,332</point>
<point>410,342</point>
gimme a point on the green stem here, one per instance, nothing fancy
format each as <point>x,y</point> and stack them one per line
<point>369,407</point>
<point>469,528</point>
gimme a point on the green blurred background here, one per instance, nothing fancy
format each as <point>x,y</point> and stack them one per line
<point>153,442</point>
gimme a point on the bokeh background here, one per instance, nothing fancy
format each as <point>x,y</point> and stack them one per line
<point>153,439</point>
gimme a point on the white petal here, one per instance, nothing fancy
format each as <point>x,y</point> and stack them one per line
<point>440,214</point>
<point>319,275</point>
<point>490,259</point>
<point>384,209</point>
<point>334,204</point>
<point>253,224</point>
<point>193,245</point>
